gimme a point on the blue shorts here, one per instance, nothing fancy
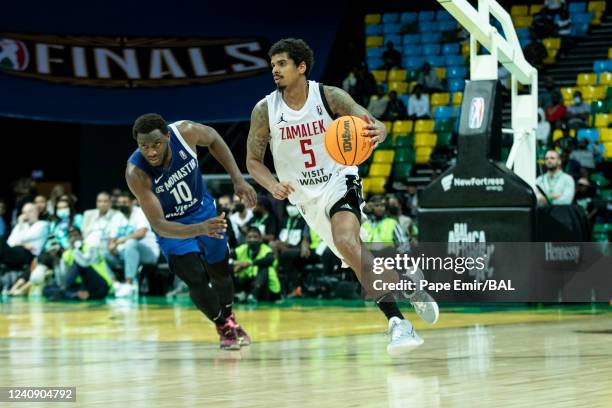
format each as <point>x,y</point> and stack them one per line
<point>213,249</point>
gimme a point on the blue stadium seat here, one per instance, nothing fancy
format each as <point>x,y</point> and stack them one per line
<point>404,98</point>
<point>447,25</point>
<point>443,113</point>
<point>582,18</point>
<point>579,30</point>
<point>413,62</point>
<point>524,41</point>
<point>374,62</point>
<point>412,49</point>
<point>454,60</point>
<point>450,48</point>
<point>392,28</point>
<point>431,49</point>
<point>442,15</point>
<point>430,38</point>
<point>589,134</point>
<point>373,29</point>
<point>408,18</point>
<point>576,8</point>
<point>411,39</point>
<point>458,72</point>
<point>394,38</point>
<point>428,26</point>
<point>456,85</point>
<point>522,32</point>
<point>375,52</point>
<point>426,16</point>
<point>390,18</point>
<point>457,118</point>
<point>602,66</point>
<point>435,60</point>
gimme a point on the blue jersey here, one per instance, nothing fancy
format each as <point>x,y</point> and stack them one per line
<point>180,188</point>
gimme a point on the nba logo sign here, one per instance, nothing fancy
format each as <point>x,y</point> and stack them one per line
<point>476,113</point>
<point>320,110</point>
<point>183,155</point>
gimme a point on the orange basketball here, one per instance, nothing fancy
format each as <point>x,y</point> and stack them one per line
<point>345,143</point>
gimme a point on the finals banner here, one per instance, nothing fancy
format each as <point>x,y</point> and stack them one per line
<point>109,63</point>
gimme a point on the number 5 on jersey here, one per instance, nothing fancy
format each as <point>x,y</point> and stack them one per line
<point>305,144</point>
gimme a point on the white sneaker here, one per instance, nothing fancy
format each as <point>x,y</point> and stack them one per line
<point>125,290</point>
<point>403,337</point>
<point>425,306</point>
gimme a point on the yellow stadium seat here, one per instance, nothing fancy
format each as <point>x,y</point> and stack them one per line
<point>383,156</point>
<point>422,155</point>
<point>399,87</point>
<point>440,98</point>
<point>372,19</point>
<point>605,135</point>
<point>465,49</point>
<point>522,21</point>
<point>597,8</point>
<point>365,184</point>
<point>568,93</point>
<point>610,53</point>
<point>602,120</point>
<point>588,92</point>
<point>402,127</point>
<point>572,133</point>
<point>388,126</point>
<point>457,97</point>
<point>441,72</point>
<point>535,8</point>
<point>425,139</point>
<point>551,58</point>
<point>552,43</point>
<point>600,92</point>
<point>557,134</point>
<point>521,10</point>
<point>380,170</point>
<point>607,151</point>
<point>380,75</point>
<point>586,78</point>
<point>411,86</point>
<point>605,78</point>
<point>397,75</point>
<point>374,41</point>
<point>377,184</point>
<point>423,126</point>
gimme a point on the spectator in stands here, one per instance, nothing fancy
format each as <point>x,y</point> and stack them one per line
<point>264,219</point>
<point>132,243</point>
<point>555,113</point>
<point>585,193</point>
<point>557,186</point>
<point>504,78</point>
<point>587,154</point>
<point>293,250</point>
<point>571,166</point>
<point>578,113</point>
<point>65,218</point>
<point>2,220</point>
<point>378,103</point>
<point>394,209</point>
<point>87,263</point>
<point>429,79</point>
<point>98,223</point>
<point>409,200</point>
<point>41,205</point>
<point>56,192</point>
<point>535,52</point>
<point>115,193</point>
<point>418,104</point>
<point>553,6</point>
<point>380,227</point>
<point>391,57</point>
<point>543,129</point>
<point>396,110</point>
<point>349,84</point>
<point>226,205</point>
<point>366,85</point>
<point>545,94</point>
<point>26,240</point>
<point>564,24</point>
<point>239,219</point>
<point>255,270</point>
<point>24,189</point>
<point>319,248</point>
<point>542,25</point>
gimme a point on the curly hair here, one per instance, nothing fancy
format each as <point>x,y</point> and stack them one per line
<point>296,49</point>
<point>147,123</point>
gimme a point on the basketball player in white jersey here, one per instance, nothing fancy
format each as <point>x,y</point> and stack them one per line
<point>293,120</point>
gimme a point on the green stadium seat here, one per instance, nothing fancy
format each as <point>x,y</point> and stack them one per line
<point>401,171</point>
<point>444,126</point>
<point>444,139</point>
<point>403,141</point>
<point>598,107</point>
<point>404,155</point>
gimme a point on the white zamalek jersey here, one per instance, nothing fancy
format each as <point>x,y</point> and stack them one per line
<point>298,145</point>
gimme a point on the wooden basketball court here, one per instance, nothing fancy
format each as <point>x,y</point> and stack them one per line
<point>309,355</point>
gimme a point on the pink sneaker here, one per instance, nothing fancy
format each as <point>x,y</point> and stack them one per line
<point>227,336</point>
<point>243,337</point>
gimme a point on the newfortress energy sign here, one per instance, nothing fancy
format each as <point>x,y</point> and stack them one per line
<point>131,62</point>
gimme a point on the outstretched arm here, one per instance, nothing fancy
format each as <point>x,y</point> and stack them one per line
<point>257,142</point>
<point>341,103</point>
<point>140,185</point>
<point>202,135</point>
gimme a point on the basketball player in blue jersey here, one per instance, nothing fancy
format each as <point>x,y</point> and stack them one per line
<point>292,120</point>
<point>164,175</point>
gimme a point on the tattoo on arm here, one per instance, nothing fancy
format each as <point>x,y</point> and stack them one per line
<point>259,133</point>
<point>342,103</point>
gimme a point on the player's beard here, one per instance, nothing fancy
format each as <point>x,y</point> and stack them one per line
<point>281,88</point>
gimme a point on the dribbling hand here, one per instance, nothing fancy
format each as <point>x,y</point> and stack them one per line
<point>281,190</point>
<point>214,227</point>
<point>375,131</point>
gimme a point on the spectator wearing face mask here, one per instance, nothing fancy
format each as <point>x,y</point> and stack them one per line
<point>265,219</point>
<point>380,227</point>
<point>240,217</point>
<point>578,113</point>
<point>65,218</point>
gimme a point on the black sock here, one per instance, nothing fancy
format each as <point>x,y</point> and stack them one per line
<point>220,319</point>
<point>388,306</point>
<point>227,310</point>
<point>222,283</point>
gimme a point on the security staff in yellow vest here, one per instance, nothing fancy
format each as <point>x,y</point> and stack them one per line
<point>382,228</point>
<point>88,276</point>
<point>255,269</point>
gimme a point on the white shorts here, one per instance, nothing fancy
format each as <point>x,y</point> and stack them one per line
<point>316,212</point>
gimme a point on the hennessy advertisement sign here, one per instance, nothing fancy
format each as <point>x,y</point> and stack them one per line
<point>126,62</point>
